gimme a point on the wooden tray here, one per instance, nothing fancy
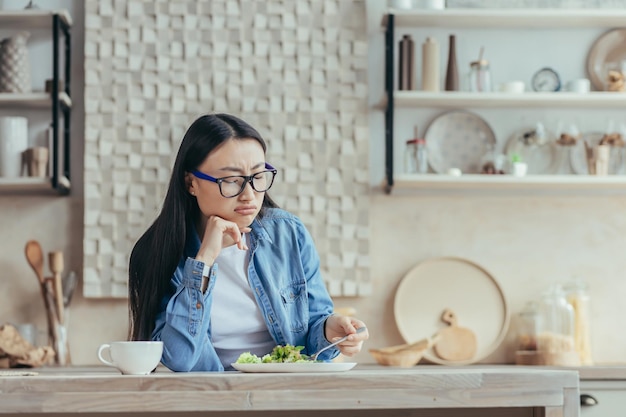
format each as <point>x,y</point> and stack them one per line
<point>455,283</point>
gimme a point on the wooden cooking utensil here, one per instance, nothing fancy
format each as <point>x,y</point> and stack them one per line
<point>55,260</point>
<point>455,343</point>
<point>34,256</point>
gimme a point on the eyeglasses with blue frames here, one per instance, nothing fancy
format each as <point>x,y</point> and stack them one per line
<point>234,185</point>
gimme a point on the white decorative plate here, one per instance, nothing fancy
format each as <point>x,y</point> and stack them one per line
<point>294,367</point>
<point>460,285</point>
<point>458,139</point>
<point>609,47</point>
<point>539,157</point>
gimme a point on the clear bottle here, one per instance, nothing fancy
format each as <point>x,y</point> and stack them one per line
<point>480,76</point>
<point>578,298</point>
<point>410,157</point>
<point>421,156</point>
<point>528,327</point>
<point>556,335</point>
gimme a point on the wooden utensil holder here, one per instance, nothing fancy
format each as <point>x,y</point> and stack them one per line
<point>36,160</point>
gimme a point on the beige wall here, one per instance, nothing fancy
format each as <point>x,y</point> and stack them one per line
<point>526,241</point>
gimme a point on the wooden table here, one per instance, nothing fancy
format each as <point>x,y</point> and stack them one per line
<point>364,391</point>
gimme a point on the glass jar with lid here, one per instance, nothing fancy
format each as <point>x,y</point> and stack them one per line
<point>410,157</point>
<point>578,297</point>
<point>528,327</point>
<point>480,76</point>
<point>556,334</point>
<point>415,156</point>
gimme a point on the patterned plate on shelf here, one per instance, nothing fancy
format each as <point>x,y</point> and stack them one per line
<point>458,139</point>
<point>540,157</point>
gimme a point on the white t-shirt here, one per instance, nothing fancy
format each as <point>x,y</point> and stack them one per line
<point>237,324</point>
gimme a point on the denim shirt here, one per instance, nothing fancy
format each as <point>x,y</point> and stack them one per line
<point>284,274</point>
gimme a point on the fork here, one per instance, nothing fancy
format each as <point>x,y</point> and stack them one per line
<point>314,356</point>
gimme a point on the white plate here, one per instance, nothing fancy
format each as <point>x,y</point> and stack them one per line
<point>540,158</point>
<point>460,285</point>
<point>458,139</point>
<point>609,47</point>
<point>294,367</point>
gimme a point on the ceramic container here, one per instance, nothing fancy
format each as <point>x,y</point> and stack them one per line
<point>13,142</point>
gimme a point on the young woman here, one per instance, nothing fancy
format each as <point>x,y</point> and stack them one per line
<point>222,270</point>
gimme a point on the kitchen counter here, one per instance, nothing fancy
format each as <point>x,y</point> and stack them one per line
<point>368,387</point>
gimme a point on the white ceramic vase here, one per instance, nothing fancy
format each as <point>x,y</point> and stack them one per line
<point>13,142</point>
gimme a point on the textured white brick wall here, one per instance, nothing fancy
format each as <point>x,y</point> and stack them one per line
<point>296,70</point>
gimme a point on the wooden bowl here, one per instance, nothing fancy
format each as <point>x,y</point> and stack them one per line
<point>405,355</point>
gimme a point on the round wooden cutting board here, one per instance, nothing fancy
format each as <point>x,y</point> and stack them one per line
<point>460,285</point>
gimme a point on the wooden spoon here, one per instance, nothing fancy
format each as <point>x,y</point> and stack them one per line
<point>34,255</point>
<point>455,343</point>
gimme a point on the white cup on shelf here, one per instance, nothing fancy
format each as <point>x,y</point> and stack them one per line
<point>430,4</point>
<point>401,4</point>
<point>580,85</point>
<point>512,87</point>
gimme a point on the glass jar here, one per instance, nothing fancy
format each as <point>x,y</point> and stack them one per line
<point>492,162</point>
<point>410,156</point>
<point>528,327</point>
<point>578,298</point>
<point>566,149</point>
<point>421,156</point>
<point>556,334</point>
<point>480,76</point>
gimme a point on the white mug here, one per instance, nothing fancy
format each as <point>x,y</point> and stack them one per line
<point>401,4</point>
<point>581,85</point>
<point>430,4</point>
<point>512,87</point>
<point>132,358</point>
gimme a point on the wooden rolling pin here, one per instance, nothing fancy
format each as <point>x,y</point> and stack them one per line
<point>55,259</point>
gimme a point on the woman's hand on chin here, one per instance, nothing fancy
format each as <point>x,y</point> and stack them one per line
<point>216,232</point>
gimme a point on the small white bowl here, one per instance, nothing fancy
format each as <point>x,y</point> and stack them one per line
<point>512,87</point>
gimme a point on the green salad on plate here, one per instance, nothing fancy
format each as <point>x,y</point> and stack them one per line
<point>280,354</point>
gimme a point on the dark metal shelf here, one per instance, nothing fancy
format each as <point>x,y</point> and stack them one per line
<point>59,103</point>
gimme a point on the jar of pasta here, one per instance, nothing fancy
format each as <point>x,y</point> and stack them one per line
<point>555,340</point>
<point>528,327</point>
<point>578,297</point>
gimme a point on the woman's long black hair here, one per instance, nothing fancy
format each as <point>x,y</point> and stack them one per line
<point>158,251</point>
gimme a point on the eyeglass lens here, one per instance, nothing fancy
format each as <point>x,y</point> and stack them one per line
<point>232,186</point>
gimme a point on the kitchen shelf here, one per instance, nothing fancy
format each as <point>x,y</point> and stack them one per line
<point>57,102</point>
<point>32,100</point>
<point>456,99</point>
<point>32,18</point>
<point>30,185</point>
<point>504,18</point>
<point>491,19</point>
<point>408,182</point>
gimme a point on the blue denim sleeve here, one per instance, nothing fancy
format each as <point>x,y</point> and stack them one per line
<point>184,319</point>
<point>320,303</point>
